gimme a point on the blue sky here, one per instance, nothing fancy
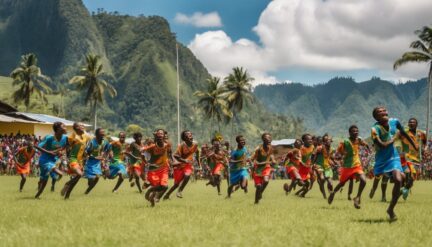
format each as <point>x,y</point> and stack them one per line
<point>291,40</point>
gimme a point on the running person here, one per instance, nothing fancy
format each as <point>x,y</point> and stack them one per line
<point>411,154</point>
<point>185,155</point>
<point>216,161</point>
<point>51,147</point>
<point>97,151</point>
<point>262,158</point>
<point>351,166</point>
<point>238,171</point>
<point>322,158</point>
<point>158,166</point>
<point>77,144</point>
<point>117,164</point>
<point>136,161</point>
<point>292,162</point>
<point>305,166</point>
<point>23,159</point>
<point>387,160</point>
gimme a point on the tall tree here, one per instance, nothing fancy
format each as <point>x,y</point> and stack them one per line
<point>212,102</point>
<point>238,91</point>
<point>421,53</point>
<point>93,84</point>
<point>28,76</point>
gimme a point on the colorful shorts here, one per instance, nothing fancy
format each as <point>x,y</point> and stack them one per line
<point>159,176</point>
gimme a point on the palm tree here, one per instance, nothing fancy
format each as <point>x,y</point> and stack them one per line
<point>28,76</point>
<point>91,81</point>
<point>213,103</point>
<point>422,53</point>
<point>238,91</point>
<point>62,90</point>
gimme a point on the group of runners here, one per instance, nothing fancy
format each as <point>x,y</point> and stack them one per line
<point>149,162</point>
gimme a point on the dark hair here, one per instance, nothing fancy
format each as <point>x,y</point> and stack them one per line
<point>303,137</point>
<point>352,127</point>
<point>413,118</point>
<point>238,138</point>
<point>136,135</point>
<point>122,132</point>
<point>214,140</point>
<point>183,134</point>
<point>75,125</point>
<point>375,111</point>
<point>264,134</point>
<point>97,131</point>
<point>57,125</point>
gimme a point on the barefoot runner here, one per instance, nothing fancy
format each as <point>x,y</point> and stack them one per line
<point>262,158</point>
<point>23,158</point>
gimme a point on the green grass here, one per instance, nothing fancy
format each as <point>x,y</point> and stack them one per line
<point>202,218</point>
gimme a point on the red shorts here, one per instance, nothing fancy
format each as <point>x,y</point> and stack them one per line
<point>181,171</point>
<point>348,173</point>
<point>23,169</point>
<point>291,171</point>
<point>304,172</point>
<point>136,168</point>
<point>259,179</point>
<point>74,166</point>
<point>217,169</point>
<point>159,176</point>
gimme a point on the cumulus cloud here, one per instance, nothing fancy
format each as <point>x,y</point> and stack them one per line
<point>329,35</point>
<point>199,19</point>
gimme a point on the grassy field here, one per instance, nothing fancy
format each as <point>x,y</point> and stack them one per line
<point>202,218</point>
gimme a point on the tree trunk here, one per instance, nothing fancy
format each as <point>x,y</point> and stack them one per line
<point>429,101</point>
<point>95,115</point>
<point>232,126</point>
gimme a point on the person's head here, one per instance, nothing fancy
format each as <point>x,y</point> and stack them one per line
<point>159,135</point>
<point>298,143</point>
<point>241,141</point>
<point>307,140</point>
<point>78,128</point>
<point>353,131</point>
<point>227,145</point>
<point>412,123</point>
<point>165,135</point>
<point>204,148</point>
<point>318,140</point>
<point>122,137</point>
<point>137,136</point>
<point>216,144</point>
<point>266,138</point>
<point>326,140</point>
<point>59,128</point>
<point>30,142</point>
<point>380,114</point>
<point>186,136</point>
<point>99,133</point>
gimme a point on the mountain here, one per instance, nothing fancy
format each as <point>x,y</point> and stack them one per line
<point>139,57</point>
<point>332,107</point>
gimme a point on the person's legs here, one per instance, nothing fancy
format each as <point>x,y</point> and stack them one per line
<point>91,184</point>
<point>23,181</point>
<point>41,187</point>
<point>384,182</point>
<point>374,186</point>
<point>357,199</point>
<point>398,180</point>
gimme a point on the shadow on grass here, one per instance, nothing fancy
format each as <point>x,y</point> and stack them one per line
<point>27,198</point>
<point>373,221</point>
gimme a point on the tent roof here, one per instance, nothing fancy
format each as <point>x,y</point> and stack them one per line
<point>41,118</point>
<point>283,142</point>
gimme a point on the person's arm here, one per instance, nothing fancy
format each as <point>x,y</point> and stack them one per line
<point>377,140</point>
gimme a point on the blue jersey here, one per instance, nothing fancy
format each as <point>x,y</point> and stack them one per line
<point>94,149</point>
<point>50,143</point>
<point>389,154</point>
<point>239,154</point>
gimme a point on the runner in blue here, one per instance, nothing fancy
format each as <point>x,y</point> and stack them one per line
<point>52,146</point>
<point>238,170</point>
<point>387,160</point>
<point>97,151</point>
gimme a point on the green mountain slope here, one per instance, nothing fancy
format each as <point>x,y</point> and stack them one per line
<point>332,107</point>
<point>139,55</point>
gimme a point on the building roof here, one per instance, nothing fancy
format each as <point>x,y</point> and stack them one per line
<point>7,119</point>
<point>40,118</point>
<point>283,142</point>
<point>5,108</point>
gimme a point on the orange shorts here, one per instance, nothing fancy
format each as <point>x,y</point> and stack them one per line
<point>181,171</point>
<point>74,166</point>
<point>159,176</point>
<point>135,168</point>
<point>348,173</point>
<point>259,179</point>
<point>304,172</point>
<point>23,169</point>
<point>291,171</point>
<point>217,169</point>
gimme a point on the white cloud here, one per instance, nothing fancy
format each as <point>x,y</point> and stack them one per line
<point>329,35</point>
<point>199,19</point>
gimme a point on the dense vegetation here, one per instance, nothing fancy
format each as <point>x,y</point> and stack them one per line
<point>138,54</point>
<point>332,107</point>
